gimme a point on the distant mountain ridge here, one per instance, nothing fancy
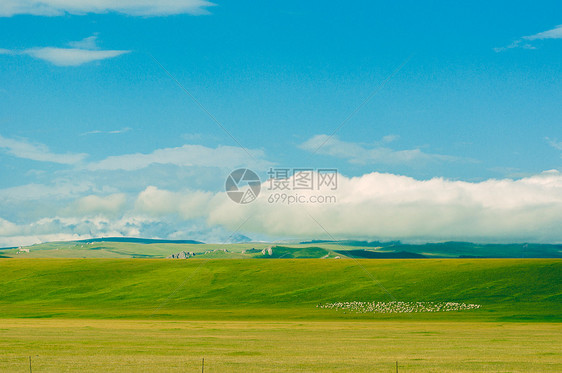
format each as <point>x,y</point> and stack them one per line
<point>134,247</point>
<point>140,240</point>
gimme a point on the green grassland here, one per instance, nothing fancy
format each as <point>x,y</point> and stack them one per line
<point>260,315</point>
<point>272,289</point>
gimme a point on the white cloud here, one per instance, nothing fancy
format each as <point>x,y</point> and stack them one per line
<point>10,8</point>
<point>72,228</point>
<point>390,138</point>
<point>524,42</point>
<point>57,190</point>
<point>372,206</point>
<point>98,205</point>
<point>555,33</point>
<point>82,52</point>
<point>516,44</point>
<point>112,132</point>
<point>554,143</point>
<point>48,230</point>
<point>37,152</point>
<point>360,154</point>
<point>393,207</point>
<point>87,43</point>
<point>26,240</point>
<point>69,228</point>
<point>187,204</point>
<point>186,155</point>
<point>71,56</point>
<point>8,228</point>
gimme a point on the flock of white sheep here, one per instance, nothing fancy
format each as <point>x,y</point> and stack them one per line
<point>398,307</point>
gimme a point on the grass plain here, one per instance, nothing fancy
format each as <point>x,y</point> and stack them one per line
<point>59,345</point>
<point>272,289</point>
<point>261,315</point>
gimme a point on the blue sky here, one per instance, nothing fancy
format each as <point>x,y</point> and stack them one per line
<point>89,120</point>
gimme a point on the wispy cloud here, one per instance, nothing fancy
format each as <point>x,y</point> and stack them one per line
<point>185,156</point>
<point>390,138</point>
<point>51,8</point>
<point>554,143</point>
<point>525,41</point>
<point>91,42</point>
<point>59,190</point>
<point>81,52</point>
<point>515,44</point>
<point>114,132</point>
<point>71,56</point>
<point>37,152</point>
<point>376,154</point>
<point>7,51</point>
<point>555,33</point>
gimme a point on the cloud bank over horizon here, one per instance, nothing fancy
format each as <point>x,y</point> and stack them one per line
<point>394,207</point>
<point>374,206</point>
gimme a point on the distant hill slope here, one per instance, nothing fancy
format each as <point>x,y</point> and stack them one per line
<point>468,249</point>
<point>368,254</point>
<point>127,247</point>
<point>274,289</point>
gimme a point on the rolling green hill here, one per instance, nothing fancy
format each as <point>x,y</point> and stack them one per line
<point>514,289</point>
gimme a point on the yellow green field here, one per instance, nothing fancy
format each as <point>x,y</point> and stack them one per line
<point>257,346</point>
